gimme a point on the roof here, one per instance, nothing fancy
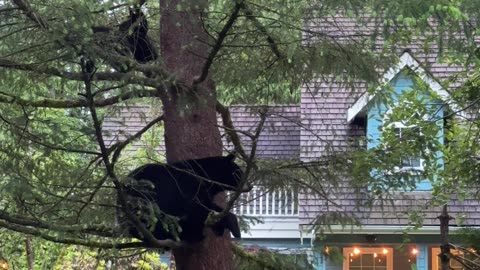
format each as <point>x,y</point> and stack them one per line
<point>279,139</point>
<point>405,61</point>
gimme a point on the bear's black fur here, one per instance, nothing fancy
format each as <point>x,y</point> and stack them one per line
<point>134,32</point>
<point>183,195</point>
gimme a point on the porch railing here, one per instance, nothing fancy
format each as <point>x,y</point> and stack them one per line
<point>263,202</point>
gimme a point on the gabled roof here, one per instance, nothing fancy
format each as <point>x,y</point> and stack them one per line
<point>406,61</point>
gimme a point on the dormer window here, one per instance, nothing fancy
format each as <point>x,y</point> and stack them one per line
<point>407,133</point>
<point>406,144</point>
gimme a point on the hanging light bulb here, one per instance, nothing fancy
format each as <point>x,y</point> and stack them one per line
<point>356,251</point>
<point>414,251</point>
<point>385,251</point>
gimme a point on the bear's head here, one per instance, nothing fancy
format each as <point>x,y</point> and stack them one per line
<point>226,173</point>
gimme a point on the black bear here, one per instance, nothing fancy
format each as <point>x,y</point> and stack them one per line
<point>134,34</point>
<point>166,197</point>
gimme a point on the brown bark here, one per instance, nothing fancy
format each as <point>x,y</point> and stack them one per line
<point>30,253</point>
<point>190,118</point>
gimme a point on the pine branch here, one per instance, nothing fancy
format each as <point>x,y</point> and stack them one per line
<point>76,103</point>
<point>230,129</point>
<point>149,238</point>
<point>218,44</point>
<point>30,13</point>
<point>271,42</point>
<point>72,241</point>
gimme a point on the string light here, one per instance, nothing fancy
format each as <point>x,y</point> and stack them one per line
<point>385,251</point>
<point>414,251</point>
<point>356,251</point>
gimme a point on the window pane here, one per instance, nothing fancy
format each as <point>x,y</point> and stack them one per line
<point>355,261</point>
<point>397,132</point>
<point>411,162</point>
<point>367,260</point>
<point>381,260</point>
<point>454,264</point>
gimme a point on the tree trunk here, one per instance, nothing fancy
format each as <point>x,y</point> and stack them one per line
<point>30,252</point>
<point>190,118</point>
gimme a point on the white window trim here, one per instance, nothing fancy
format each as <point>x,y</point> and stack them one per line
<point>402,125</point>
<point>411,169</point>
<point>370,250</point>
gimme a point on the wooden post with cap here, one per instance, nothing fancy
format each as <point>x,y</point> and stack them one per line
<point>445,246</point>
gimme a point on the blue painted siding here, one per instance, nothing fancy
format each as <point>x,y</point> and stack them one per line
<point>319,261</point>
<point>400,84</point>
<point>422,258</point>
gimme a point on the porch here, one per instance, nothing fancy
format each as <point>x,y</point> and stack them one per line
<point>277,209</point>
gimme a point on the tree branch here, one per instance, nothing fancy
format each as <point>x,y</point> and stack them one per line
<point>76,103</point>
<point>41,68</point>
<point>122,198</point>
<point>77,241</point>
<point>230,129</point>
<point>250,160</point>
<point>105,231</point>
<point>30,13</point>
<point>218,44</point>
<point>271,42</point>
<point>118,147</point>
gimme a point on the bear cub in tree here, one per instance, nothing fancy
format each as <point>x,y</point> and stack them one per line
<point>134,35</point>
<point>181,195</point>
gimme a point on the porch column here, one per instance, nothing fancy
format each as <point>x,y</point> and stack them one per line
<point>422,257</point>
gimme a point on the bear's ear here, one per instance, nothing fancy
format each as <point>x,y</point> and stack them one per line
<point>232,156</point>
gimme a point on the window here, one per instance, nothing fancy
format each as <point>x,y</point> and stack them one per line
<point>409,134</point>
<point>359,258</point>
<point>454,264</point>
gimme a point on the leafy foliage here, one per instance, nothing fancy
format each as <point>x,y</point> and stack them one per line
<point>259,258</point>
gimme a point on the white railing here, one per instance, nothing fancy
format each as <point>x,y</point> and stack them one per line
<point>264,203</point>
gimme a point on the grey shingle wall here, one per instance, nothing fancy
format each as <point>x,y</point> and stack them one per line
<point>279,139</point>
<point>280,136</point>
<point>122,122</point>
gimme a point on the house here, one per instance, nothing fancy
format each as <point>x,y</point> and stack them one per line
<point>333,118</point>
<point>339,115</point>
